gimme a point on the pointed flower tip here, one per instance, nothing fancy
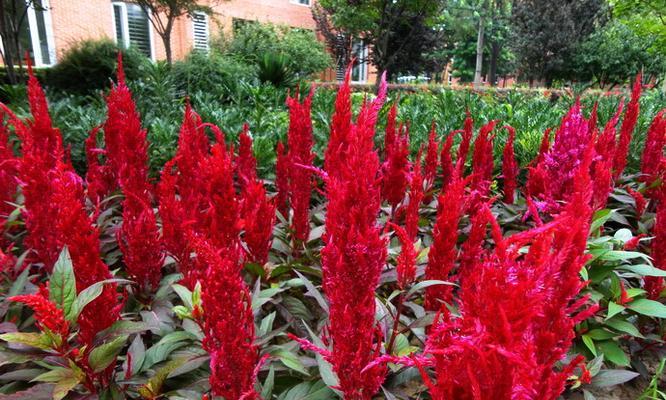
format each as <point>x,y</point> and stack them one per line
<point>121,70</point>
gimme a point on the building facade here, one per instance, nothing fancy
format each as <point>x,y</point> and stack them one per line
<point>53,26</point>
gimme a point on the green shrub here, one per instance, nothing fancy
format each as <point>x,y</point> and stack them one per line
<point>215,73</point>
<point>252,41</point>
<point>275,69</point>
<point>89,65</point>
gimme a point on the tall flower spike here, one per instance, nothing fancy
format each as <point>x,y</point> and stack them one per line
<point>99,178</point>
<point>655,285</point>
<point>483,162</point>
<point>340,126</point>
<point>228,322</point>
<point>627,129</point>
<point>415,198</point>
<point>354,252</point>
<point>406,268</point>
<point>139,241</point>
<point>246,164</point>
<point>446,160</point>
<point>258,212</point>
<point>450,209</point>
<point>300,155</point>
<point>395,169</point>
<point>463,149</point>
<point>282,180</point>
<point>509,167</point>
<point>653,151</point>
<point>432,153</point>
<point>47,315</point>
<point>9,167</point>
<point>75,230</point>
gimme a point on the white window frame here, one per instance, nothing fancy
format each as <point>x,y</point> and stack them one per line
<point>298,3</point>
<point>34,34</point>
<point>194,39</point>
<point>125,28</point>
<point>362,63</point>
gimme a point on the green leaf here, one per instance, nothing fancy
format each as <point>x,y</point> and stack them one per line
<point>62,285</point>
<point>425,284</point>
<point>291,361</point>
<point>600,334</point>
<point>325,368</point>
<point>643,269</point>
<point>38,340</point>
<point>624,326</point>
<point>613,353</point>
<point>647,307</point>
<point>614,309</point>
<point>103,355</point>
<point>184,293</point>
<point>267,387</point>
<point>612,377</point>
<point>19,283</point>
<point>599,219</point>
<point>589,343</point>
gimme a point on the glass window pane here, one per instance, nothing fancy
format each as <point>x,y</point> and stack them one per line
<point>41,31</point>
<point>118,16</point>
<point>138,28</point>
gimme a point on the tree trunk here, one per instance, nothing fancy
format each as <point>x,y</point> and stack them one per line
<point>479,54</point>
<point>167,48</point>
<point>492,74</point>
<point>7,55</point>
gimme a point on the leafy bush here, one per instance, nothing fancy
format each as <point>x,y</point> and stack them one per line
<point>90,64</point>
<point>300,48</point>
<point>275,69</point>
<point>215,73</point>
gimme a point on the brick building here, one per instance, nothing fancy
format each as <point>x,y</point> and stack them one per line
<point>56,25</point>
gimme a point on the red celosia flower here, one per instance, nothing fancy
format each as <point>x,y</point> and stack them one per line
<point>139,241</point>
<point>100,180</point>
<point>9,167</point>
<point>639,201</point>
<point>633,243</point>
<point>193,150</point>
<point>603,162</point>
<point>221,219</point>
<point>258,213</point>
<point>299,141</point>
<point>228,322</point>
<point>126,145</point>
<point>415,198</point>
<point>73,228</point>
<point>509,167</point>
<point>655,285</point>
<point>395,169</point>
<point>653,152</point>
<point>551,180</point>
<point>544,146</point>
<point>406,268</point>
<point>627,129</point>
<point>507,346</point>
<point>446,160</point>
<point>441,259</point>
<point>246,164</point>
<point>354,251</point>
<point>282,180</point>
<point>432,152</point>
<point>482,163</point>
<point>463,149</point>
<point>391,132</point>
<point>340,127</point>
<point>47,315</point>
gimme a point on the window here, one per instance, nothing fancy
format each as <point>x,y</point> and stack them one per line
<point>132,27</point>
<point>35,33</point>
<point>200,30</point>
<point>360,69</point>
<point>301,2</point>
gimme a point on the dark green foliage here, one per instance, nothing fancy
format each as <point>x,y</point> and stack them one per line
<point>275,69</point>
<point>300,49</point>
<point>546,34</point>
<point>214,73</point>
<point>89,65</point>
<point>614,53</point>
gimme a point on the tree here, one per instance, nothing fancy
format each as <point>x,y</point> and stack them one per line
<point>14,21</point>
<point>546,34</point>
<point>615,54</point>
<point>164,13</point>
<point>376,23</point>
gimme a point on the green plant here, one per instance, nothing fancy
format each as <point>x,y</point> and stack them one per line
<point>275,69</point>
<point>89,65</point>
<point>653,391</point>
